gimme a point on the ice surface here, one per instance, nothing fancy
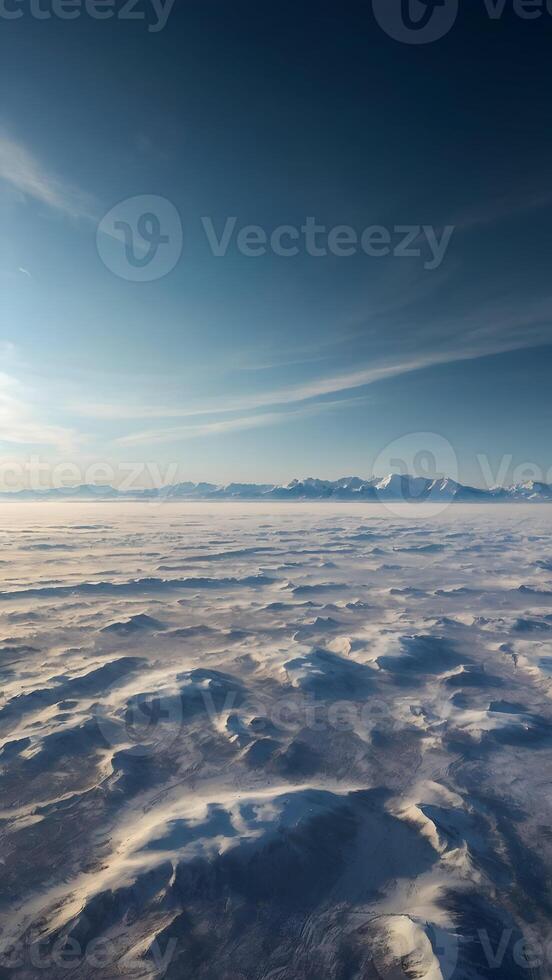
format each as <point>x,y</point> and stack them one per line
<point>275,740</point>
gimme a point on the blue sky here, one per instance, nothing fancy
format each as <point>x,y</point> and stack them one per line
<point>270,367</point>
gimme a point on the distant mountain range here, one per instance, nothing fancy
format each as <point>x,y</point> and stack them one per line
<point>390,488</point>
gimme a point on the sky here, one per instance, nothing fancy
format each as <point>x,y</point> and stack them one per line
<point>128,146</point>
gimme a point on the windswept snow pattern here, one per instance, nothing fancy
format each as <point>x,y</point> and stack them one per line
<point>284,741</point>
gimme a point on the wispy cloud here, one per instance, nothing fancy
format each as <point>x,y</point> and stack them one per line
<point>292,394</point>
<point>20,421</point>
<point>7,349</point>
<point>222,427</point>
<point>503,208</point>
<point>177,433</point>
<point>20,169</point>
<point>482,336</point>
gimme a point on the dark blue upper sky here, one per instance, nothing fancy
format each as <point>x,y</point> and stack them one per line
<point>266,366</point>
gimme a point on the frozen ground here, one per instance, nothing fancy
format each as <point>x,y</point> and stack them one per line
<point>274,741</point>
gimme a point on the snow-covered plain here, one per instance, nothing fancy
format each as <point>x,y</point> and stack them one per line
<point>275,741</point>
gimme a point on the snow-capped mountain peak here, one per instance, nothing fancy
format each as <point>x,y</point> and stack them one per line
<point>394,486</point>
